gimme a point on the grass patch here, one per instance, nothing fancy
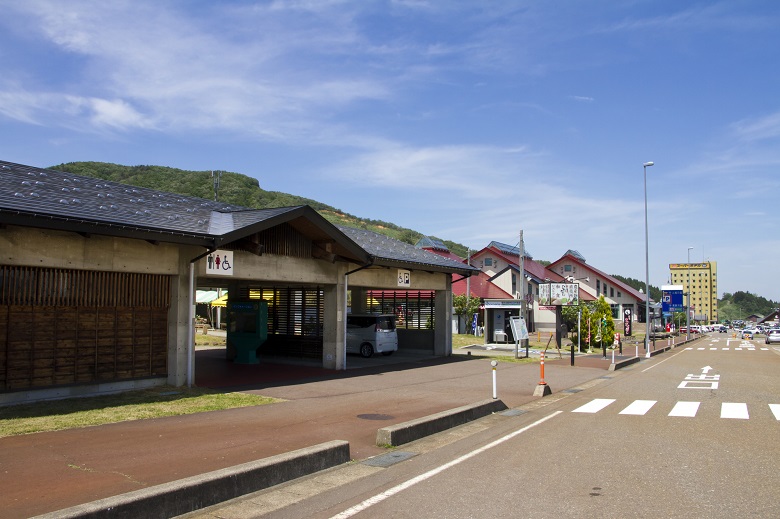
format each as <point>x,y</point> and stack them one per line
<point>132,405</point>
<point>209,340</point>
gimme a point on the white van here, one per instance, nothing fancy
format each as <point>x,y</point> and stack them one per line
<point>370,333</point>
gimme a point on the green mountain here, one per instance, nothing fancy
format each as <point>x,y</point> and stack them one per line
<point>235,188</point>
<point>740,305</point>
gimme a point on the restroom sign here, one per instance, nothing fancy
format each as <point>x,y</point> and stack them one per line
<point>220,263</point>
<point>404,279</point>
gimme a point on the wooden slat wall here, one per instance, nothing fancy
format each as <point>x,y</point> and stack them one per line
<point>60,327</point>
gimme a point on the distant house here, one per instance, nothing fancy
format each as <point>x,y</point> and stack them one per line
<point>621,297</point>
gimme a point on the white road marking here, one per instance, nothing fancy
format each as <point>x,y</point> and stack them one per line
<point>775,410</point>
<point>685,409</point>
<point>639,407</point>
<point>734,410</point>
<point>594,406</point>
<point>349,512</point>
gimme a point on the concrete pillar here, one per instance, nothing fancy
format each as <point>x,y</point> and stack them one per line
<point>334,326</point>
<point>178,324</point>
<point>442,336</point>
<point>358,300</point>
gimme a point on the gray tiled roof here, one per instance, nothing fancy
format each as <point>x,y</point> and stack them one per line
<point>392,252</point>
<point>55,199</point>
<point>42,192</point>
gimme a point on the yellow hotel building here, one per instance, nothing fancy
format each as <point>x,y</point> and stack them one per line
<point>701,279</point>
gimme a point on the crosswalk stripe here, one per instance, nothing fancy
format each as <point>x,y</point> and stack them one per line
<point>685,409</point>
<point>734,410</point>
<point>639,407</point>
<point>731,410</point>
<point>594,406</point>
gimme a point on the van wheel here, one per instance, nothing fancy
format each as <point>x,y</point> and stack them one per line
<point>366,350</point>
<point>387,353</point>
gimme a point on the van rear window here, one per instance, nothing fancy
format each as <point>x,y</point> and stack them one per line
<point>386,323</point>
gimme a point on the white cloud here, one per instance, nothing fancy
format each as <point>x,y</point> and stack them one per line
<point>756,129</point>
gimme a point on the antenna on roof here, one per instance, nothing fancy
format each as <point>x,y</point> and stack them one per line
<point>216,175</point>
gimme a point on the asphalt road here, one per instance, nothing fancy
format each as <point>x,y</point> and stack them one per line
<point>692,433</point>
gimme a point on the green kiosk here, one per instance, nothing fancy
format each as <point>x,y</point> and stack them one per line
<point>247,329</point>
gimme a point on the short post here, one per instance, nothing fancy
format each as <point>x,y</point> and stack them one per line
<point>613,355</point>
<point>542,389</point>
<point>494,364</point>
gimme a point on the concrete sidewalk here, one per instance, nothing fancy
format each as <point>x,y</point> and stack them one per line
<point>45,472</point>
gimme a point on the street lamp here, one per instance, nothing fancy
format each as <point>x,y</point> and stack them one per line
<point>688,310</point>
<point>648,325</point>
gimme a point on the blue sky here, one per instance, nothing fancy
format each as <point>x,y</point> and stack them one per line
<point>464,120</point>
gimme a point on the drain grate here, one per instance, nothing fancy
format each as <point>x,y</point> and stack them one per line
<point>513,412</point>
<point>391,458</point>
<point>375,416</point>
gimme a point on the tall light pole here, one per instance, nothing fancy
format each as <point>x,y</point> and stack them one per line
<point>688,310</point>
<point>648,325</point>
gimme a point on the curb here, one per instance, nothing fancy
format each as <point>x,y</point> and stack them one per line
<point>406,432</point>
<point>196,492</point>
<point>623,363</point>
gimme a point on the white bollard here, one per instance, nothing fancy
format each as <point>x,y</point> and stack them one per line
<point>494,364</point>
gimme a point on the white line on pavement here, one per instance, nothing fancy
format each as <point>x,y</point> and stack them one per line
<point>349,512</point>
<point>685,409</point>
<point>734,410</point>
<point>639,407</point>
<point>594,406</point>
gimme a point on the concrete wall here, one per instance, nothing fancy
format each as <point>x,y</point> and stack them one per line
<point>68,250</point>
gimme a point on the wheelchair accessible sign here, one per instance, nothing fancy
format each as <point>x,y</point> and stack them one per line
<point>220,263</point>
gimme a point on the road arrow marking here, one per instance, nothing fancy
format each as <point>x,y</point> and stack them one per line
<point>706,369</point>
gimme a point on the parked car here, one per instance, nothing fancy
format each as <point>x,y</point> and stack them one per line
<point>773,336</point>
<point>371,333</point>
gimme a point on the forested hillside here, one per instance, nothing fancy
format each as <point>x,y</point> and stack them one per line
<point>235,188</point>
<point>655,292</point>
<point>743,304</point>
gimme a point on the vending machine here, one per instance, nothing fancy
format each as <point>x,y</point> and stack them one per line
<point>247,329</point>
